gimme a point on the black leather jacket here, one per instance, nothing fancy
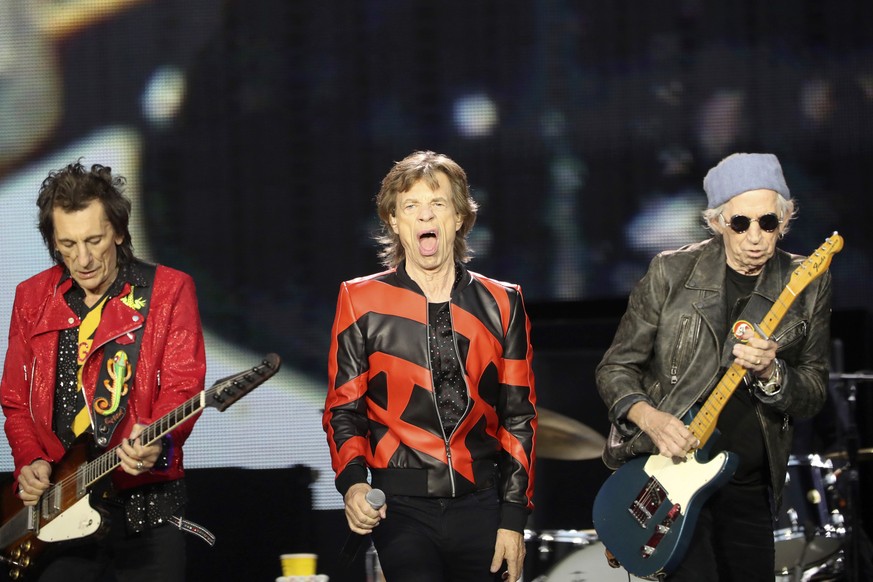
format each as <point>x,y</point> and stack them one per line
<point>667,350</point>
<point>381,414</point>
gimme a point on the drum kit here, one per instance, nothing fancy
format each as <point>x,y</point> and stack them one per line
<point>812,532</point>
<point>567,555</point>
<point>811,529</point>
<point>819,536</point>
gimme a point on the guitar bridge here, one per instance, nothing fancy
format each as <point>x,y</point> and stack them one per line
<point>661,530</point>
<point>647,502</point>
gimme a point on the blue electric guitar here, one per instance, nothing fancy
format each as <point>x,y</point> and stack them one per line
<point>646,511</point>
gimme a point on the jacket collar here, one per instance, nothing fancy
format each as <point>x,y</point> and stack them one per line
<point>117,317</point>
<point>708,271</point>
<point>462,278</point>
<point>132,273</point>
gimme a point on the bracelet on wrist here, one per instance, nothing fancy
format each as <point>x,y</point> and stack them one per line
<point>773,384</point>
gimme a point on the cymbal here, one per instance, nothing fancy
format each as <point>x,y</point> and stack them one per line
<point>863,455</point>
<point>566,439</point>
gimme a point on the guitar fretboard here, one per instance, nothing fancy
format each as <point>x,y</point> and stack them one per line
<point>108,461</point>
<point>220,395</point>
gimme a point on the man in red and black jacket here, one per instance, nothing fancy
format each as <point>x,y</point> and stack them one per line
<point>432,390</point>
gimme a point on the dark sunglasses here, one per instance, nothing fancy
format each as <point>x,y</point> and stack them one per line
<point>768,223</point>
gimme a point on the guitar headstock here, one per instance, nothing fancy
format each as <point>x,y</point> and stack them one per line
<point>228,390</point>
<point>817,263</point>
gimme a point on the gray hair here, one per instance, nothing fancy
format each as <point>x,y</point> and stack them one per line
<point>786,210</point>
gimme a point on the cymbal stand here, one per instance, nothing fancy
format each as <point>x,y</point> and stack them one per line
<point>853,510</point>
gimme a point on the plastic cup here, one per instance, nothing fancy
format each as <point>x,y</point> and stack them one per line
<point>298,564</point>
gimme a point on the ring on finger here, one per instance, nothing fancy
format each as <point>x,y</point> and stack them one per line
<point>758,363</point>
<point>139,465</point>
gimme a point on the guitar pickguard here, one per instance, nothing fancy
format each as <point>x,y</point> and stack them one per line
<point>78,521</point>
<point>683,480</point>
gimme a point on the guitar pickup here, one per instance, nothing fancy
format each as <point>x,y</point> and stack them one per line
<point>647,502</point>
<point>31,518</point>
<point>661,530</point>
<point>51,502</point>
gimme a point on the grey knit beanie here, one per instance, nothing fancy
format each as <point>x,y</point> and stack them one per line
<point>740,173</point>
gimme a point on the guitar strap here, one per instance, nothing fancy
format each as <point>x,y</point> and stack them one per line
<point>755,310</point>
<point>87,328</point>
<point>119,364</point>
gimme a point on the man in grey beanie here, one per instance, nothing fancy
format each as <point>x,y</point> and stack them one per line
<point>673,346</point>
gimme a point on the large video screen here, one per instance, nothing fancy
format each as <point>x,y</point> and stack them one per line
<point>254,136</point>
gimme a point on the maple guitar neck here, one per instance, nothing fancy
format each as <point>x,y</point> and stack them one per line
<point>704,422</point>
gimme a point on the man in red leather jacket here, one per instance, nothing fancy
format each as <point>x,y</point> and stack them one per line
<point>61,392</point>
<point>432,391</point>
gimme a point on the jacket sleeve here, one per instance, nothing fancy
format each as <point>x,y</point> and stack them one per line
<point>183,367</point>
<point>619,375</point>
<point>804,388</point>
<point>15,391</point>
<point>345,408</point>
<point>517,414</point>
<point>177,358</point>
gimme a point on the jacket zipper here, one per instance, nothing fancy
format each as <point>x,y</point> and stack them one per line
<point>674,364</point>
<point>466,386</point>
<point>446,439</point>
<point>30,384</point>
<point>784,332</point>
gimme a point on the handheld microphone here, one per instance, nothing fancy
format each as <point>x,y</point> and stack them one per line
<point>376,499</point>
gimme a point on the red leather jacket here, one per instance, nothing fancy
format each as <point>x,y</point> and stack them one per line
<point>171,368</point>
<point>381,413</point>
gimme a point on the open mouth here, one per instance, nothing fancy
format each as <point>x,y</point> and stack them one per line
<point>427,242</point>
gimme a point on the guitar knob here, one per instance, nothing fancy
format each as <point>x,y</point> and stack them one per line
<point>24,562</point>
<point>25,547</point>
<point>16,553</point>
<point>15,574</point>
<point>792,518</point>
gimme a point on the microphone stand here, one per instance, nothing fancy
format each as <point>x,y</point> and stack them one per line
<point>854,498</point>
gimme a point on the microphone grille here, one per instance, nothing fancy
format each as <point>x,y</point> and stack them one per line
<point>376,498</point>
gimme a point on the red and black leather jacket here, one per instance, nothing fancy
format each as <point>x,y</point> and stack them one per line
<point>171,368</point>
<point>381,414</point>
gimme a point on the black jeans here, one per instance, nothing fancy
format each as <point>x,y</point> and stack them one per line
<point>425,539</point>
<point>733,540</point>
<point>154,554</point>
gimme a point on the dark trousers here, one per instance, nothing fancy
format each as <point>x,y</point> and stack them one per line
<point>154,554</point>
<point>426,539</point>
<point>733,540</point>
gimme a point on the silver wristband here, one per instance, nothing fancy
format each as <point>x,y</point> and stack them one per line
<point>773,384</point>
